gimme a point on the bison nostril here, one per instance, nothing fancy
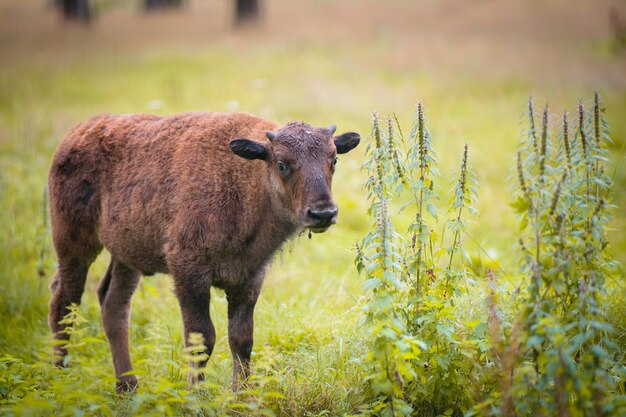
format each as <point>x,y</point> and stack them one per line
<point>322,217</point>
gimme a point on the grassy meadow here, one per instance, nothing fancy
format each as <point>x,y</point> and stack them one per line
<point>473,65</point>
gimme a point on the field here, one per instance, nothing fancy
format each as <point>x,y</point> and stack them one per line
<point>473,64</point>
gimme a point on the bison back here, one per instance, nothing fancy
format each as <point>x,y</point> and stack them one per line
<point>144,183</point>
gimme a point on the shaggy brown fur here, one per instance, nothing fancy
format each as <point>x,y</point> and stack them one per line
<point>205,197</point>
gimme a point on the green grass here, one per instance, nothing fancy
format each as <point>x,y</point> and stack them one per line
<point>308,317</point>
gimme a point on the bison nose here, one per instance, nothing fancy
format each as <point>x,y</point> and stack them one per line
<point>322,218</point>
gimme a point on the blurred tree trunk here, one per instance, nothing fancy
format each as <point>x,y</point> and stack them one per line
<point>247,11</point>
<point>161,4</point>
<point>75,9</point>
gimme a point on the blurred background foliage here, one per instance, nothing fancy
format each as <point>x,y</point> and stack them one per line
<point>473,62</point>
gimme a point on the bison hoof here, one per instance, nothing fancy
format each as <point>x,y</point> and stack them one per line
<point>193,378</point>
<point>127,384</point>
<point>60,361</point>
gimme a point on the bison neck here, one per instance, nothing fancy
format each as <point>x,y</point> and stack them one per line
<point>248,253</point>
<point>273,231</point>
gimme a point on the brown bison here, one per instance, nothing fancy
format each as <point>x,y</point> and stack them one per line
<point>205,197</point>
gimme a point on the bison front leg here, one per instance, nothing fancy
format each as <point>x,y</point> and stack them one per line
<point>194,303</point>
<point>241,302</point>
<point>115,293</point>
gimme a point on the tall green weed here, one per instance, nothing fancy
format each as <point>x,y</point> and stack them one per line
<point>558,355</point>
<point>422,355</point>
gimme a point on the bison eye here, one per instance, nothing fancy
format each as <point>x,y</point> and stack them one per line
<point>335,161</point>
<point>282,168</point>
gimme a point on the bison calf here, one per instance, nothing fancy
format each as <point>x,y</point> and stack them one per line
<point>205,197</point>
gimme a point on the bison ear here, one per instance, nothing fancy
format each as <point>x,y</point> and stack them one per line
<point>347,142</point>
<point>248,149</point>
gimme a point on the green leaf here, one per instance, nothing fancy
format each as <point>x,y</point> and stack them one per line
<point>432,210</point>
<point>472,323</point>
<point>371,284</point>
<point>535,341</point>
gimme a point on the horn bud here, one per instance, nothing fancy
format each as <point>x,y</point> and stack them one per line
<point>270,135</point>
<point>332,129</point>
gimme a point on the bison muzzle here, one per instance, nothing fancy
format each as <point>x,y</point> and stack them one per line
<point>205,197</point>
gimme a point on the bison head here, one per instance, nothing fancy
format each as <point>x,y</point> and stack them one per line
<point>301,160</point>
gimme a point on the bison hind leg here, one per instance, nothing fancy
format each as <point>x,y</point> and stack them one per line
<point>105,283</point>
<point>74,209</point>
<point>115,292</point>
<point>67,288</point>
